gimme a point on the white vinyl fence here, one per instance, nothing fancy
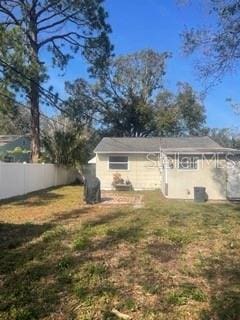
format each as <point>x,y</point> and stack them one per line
<point>18,178</point>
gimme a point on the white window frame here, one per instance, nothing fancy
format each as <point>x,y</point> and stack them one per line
<point>127,162</point>
<point>193,159</point>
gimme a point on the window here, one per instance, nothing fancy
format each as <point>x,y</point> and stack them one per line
<point>118,162</point>
<point>187,163</point>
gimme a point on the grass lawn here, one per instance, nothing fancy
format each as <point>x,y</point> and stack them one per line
<point>168,260</point>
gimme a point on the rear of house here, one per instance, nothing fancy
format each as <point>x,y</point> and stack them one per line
<point>174,165</point>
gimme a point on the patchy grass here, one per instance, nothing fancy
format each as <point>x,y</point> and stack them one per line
<point>172,260</point>
<point>184,294</point>
<point>82,243</point>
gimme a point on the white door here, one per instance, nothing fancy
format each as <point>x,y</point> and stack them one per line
<point>233,182</point>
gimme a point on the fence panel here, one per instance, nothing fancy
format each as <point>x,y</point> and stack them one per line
<point>18,178</point>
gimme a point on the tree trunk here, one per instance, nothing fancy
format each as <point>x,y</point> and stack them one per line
<point>34,85</point>
<point>35,126</point>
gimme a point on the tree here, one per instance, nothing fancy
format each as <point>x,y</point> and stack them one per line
<point>128,92</point>
<point>122,100</point>
<point>131,100</point>
<point>181,114</point>
<point>220,45</point>
<point>62,143</point>
<point>28,27</point>
<point>225,137</point>
<point>67,143</point>
<point>166,115</point>
<point>14,120</point>
<point>192,112</point>
<point>82,105</point>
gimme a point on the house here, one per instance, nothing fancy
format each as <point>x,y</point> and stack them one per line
<point>173,165</point>
<point>15,148</point>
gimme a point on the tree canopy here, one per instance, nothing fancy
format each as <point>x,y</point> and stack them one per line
<point>131,100</point>
<point>179,114</point>
<point>14,120</point>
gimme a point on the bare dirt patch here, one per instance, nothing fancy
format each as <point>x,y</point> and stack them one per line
<point>110,198</point>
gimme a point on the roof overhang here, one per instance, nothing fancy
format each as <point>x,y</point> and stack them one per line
<point>124,152</point>
<point>176,151</point>
<point>201,151</point>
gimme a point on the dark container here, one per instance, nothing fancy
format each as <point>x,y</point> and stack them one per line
<point>92,190</point>
<point>200,194</point>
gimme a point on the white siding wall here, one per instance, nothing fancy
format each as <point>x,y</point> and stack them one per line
<point>141,172</point>
<point>181,183</point>
<point>18,179</point>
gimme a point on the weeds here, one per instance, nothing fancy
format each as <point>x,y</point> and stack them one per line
<point>183,294</point>
<point>82,243</point>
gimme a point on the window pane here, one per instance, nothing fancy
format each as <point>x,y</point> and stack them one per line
<point>118,166</point>
<point>187,163</point>
<point>118,159</point>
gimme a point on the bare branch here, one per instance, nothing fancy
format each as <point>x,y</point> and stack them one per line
<point>56,23</point>
<point>63,57</point>
<point>8,13</point>
<point>67,37</point>
<point>53,15</point>
<point>46,8</point>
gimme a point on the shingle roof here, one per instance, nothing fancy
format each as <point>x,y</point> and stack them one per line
<point>168,145</point>
<point>4,139</point>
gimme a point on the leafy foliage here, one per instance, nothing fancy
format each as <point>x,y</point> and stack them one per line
<point>131,100</point>
<point>63,147</point>
<point>181,114</point>
<point>121,101</point>
<point>14,120</point>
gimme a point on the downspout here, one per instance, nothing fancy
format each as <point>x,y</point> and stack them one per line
<point>166,175</point>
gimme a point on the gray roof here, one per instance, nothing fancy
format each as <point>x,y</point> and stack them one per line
<point>5,139</point>
<point>168,145</point>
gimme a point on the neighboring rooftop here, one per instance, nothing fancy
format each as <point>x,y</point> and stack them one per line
<point>146,145</point>
<point>4,139</point>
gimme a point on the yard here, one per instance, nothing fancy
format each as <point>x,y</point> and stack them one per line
<point>167,259</point>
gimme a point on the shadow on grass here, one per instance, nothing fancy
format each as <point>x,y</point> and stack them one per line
<point>29,270</point>
<point>110,217</point>
<point>15,235</point>
<point>35,273</point>
<point>41,272</point>
<point>36,198</point>
<point>69,215</point>
<point>76,213</point>
<point>42,199</point>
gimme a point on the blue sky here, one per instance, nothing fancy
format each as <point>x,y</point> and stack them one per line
<point>157,24</point>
